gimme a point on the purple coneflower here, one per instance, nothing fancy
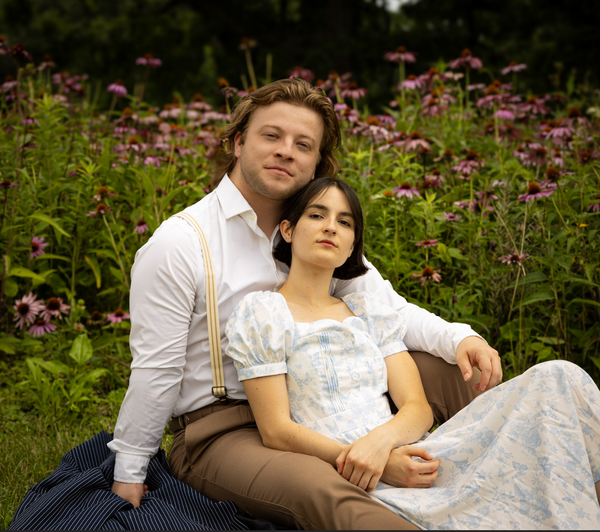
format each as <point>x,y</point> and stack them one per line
<point>476,87</point>
<point>416,140</point>
<point>141,227</point>
<point>406,189</point>
<point>41,327</point>
<point>353,91</point>
<point>515,258</point>
<point>427,243</point>
<point>9,84</point>
<point>151,160</point>
<point>504,113</point>
<point>7,184</point>
<point>302,73</point>
<point>117,88</point>
<point>148,60</point>
<point>411,83</point>
<point>54,307</point>
<point>498,183</point>
<point>466,59</point>
<point>534,191</point>
<point>534,106</point>
<point>101,209</point>
<point>27,121</point>
<point>462,204</point>
<point>513,67</point>
<point>469,163</point>
<point>37,247</point>
<point>400,54</point>
<point>96,318</point>
<point>428,274</point>
<point>451,217</point>
<point>118,316</point>
<point>28,307</point>
<point>103,192</point>
<point>595,207</point>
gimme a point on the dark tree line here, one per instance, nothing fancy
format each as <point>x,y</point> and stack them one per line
<point>198,40</point>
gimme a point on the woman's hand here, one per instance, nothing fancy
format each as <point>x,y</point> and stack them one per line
<point>402,471</point>
<point>132,493</point>
<point>362,462</point>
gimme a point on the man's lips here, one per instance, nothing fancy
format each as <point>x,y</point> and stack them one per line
<point>327,243</point>
<point>279,169</point>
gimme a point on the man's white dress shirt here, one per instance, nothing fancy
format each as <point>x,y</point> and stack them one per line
<point>171,373</point>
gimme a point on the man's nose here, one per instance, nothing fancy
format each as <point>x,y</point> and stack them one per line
<point>285,149</point>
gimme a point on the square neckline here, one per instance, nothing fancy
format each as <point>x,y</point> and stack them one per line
<point>322,319</point>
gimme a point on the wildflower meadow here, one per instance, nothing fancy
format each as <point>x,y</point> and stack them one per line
<point>481,199</point>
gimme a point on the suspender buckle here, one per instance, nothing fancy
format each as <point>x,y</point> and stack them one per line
<point>220,392</point>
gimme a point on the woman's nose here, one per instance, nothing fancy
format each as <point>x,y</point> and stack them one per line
<point>330,226</point>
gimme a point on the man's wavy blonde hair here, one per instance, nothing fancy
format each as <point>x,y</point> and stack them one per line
<point>292,91</point>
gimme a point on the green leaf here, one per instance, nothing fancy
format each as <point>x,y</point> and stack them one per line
<point>10,287</point>
<point>93,263</point>
<point>534,277</point>
<point>456,254</point>
<point>19,271</point>
<point>7,344</point>
<point>442,249</point>
<point>583,301</point>
<point>81,350</point>
<point>148,185</point>
<point>540,295</point>
<point>50,221</point>
<point>47,256</point>
<point>573,279</point>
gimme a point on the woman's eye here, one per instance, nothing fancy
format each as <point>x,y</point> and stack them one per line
<point>346,223</point>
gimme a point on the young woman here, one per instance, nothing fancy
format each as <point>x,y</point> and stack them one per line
<point>315,370</point>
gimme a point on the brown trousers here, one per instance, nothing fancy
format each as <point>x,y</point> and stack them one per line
<point>220,454</point>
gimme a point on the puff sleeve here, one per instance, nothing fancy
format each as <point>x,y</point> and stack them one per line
<point>386,326</point>
<point>260,334</point>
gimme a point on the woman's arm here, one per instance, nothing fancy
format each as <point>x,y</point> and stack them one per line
<point>384,452</point>
<point>270,405</point>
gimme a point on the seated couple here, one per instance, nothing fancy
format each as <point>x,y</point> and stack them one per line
<point>315,369</point>
<point>280,137</point>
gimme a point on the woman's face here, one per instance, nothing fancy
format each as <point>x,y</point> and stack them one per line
<point>324,235</point>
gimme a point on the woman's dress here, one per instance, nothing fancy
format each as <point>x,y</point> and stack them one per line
<point>523,455</point>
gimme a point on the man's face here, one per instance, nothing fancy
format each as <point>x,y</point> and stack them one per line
<point>280,152</point>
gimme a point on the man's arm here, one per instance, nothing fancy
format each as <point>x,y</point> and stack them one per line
<point>456,343</point>
<point>163,291</point>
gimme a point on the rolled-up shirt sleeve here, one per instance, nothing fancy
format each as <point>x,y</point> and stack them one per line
<point>424,330</point>
<point>164,286</point>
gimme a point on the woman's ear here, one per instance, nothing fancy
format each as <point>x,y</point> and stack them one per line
<point>351,250</point>
<point>286,231</point>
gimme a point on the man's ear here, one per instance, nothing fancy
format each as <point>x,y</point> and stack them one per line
<point>237,144</point>
<point>286,231</point>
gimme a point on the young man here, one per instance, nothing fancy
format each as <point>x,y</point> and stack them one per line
<point>281,136</point>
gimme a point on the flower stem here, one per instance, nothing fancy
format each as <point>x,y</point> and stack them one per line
<point>117,254</point>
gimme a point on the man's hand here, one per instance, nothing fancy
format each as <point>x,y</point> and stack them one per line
<point>475,352</point>
<point>132,493</point>
<point>362,462</point>
<point>402,471</point>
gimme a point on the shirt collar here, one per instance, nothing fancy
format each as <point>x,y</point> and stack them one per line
<point>231,199</point>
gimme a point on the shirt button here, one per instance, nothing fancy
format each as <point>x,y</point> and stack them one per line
<point>348,344</point>
<point>355,377</point>
<point>253,217</point>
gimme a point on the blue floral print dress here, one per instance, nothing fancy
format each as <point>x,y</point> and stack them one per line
<point>524,455</point>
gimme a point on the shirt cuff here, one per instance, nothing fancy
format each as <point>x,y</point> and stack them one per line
<point>462,331</point>
<point>264,370</point>
<point>130,468</point>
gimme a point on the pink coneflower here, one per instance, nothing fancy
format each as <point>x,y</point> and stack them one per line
<point>428,274</point>
<point>150,160</point>
<point>515,258</point>
<point>433,108</point>
<point>498,183</point>
<point>504,113</point>
<point>469,163</point>
<point>353,91</point>
<point>557,130</point>
<point>534,106</point>
<point>41,327</point>
<point>28,121</point>
<point>534,191</point>
<point>302,73</point>
<point>476,87</point>
<point>466,59</point>
<point>462,204</point>
<point>406,189</point>
<point>427,243</point>
<point>513,67</point>
<point>148,60</point>
<point>595,207</point>
<point>54,307</point>
<point>433,179</point>
<point>415,141</point>
<point>37,247</point>
<point>451,217</point>
<point>103,192</point>
<point>5,183</point>
<point>400,54</point>
<point>117,88</point>
<point>28,307</point>
<point>118,316</point>
<point>411,83</point>
<point>141,227</point>
<point>101,209</point>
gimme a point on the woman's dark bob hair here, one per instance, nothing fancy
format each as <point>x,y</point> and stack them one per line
<point>295,206</point>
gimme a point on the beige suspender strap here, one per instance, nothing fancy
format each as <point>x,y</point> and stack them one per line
<point>212,312</point>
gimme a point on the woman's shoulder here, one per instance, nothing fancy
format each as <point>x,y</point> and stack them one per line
<point>365,304</point>
<point>263,306</point>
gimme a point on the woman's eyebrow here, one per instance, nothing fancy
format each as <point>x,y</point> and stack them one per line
<point>320,207</point>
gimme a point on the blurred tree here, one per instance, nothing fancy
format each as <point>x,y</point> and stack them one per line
<point>198,41</point>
